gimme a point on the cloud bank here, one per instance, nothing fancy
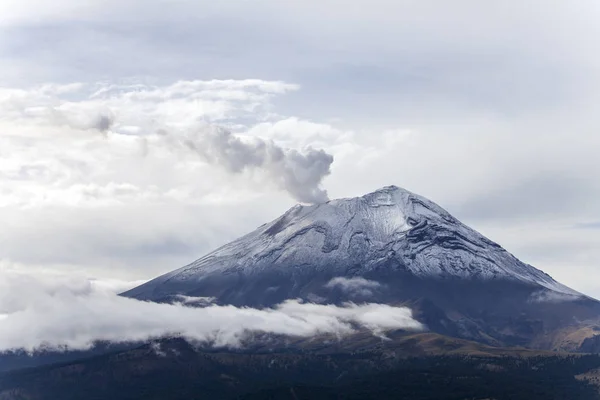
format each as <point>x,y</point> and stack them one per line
<point>71,313</point>
<point>193,116</point>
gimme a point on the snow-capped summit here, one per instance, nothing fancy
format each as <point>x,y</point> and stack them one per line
<point>390,228</point>
<point>390,246</point>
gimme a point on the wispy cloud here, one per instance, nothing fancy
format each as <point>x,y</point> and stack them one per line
<point>356,286</point>
<point>547,296</point>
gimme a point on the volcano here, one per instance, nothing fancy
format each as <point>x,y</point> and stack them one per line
<point>394,247</point>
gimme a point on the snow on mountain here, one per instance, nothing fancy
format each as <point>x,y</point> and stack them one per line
<point>389,228</point>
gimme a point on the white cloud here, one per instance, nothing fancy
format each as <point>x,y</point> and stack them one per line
<point>552,297</point>
<point>63,312</point>
<point>142,119</point>
<point>356,286</point>
<point>114,285</point>
<point>194,301</point>
<point>147,107</point>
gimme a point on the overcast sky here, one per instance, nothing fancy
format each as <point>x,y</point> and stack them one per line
<point>487,108</point>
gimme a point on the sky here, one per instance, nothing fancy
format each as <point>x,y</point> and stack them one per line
<point>136,136</point>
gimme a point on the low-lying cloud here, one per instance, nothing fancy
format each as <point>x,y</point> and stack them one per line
<point>550,296</point>
<point>356,286</point>
<point>60,313</point>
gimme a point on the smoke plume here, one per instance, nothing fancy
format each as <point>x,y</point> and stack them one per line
<point>298,173</point>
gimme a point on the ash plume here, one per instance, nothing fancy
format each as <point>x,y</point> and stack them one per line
<point>103,123</point>
<point>299,173</point>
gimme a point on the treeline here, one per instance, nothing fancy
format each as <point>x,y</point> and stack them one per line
<point>185,374</point>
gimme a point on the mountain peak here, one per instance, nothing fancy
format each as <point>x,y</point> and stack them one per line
<point>389,189</point>
<point>390,246</point>
<point>389,193</point>
<point>401,202</point>
<point>388,231</point>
